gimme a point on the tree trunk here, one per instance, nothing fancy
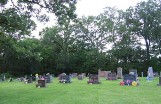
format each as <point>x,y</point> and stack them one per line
<point>147,51</point>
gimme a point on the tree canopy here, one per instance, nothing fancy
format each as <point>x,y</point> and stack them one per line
<point>129,39</point>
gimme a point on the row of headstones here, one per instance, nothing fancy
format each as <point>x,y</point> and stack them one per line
<point>128,78</point>
<point>42,80</point>
<point>150,73</point>
<point>94,79</point>
<point>29,79</point>
<point>63,78</point>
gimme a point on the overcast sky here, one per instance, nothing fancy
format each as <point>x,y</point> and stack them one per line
<point>93,7</point>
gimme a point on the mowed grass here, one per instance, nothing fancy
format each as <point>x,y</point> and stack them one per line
<point>79,92</point>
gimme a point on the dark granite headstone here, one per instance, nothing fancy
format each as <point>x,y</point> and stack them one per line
<point>129,78</point>
<point>41,83</point>
<point>159,81</point>
<point>48,78</point>
<point>111,76</point>
<point>66,79</point>
<point>33,78</point>
<point>1,78</point>
<point>134,72</point>
<point>93,79</point>
<point>28,79</point>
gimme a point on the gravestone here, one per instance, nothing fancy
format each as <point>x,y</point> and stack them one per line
<point>159,81</point>
<point>21,79</point>
<point>41,83</point>
<point>111,76</point>
<point>93,79</point>
<point>60,76</point>
<point>129,78</point>
<point>142,74</point>
<point>134,72</point>
<point>33,78</point>
<point>155,74</point>
<point>10,79</point>
<point>48,79</point>
<point>150,72</point>
<point>119,73</point>
<point>66,79</point>
<point>103,73</point>
<point>28,79</point>
<point>74,75</point>
<point>2,78</point>
<point>80,77</point>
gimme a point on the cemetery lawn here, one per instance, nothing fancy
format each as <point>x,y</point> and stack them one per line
<point>79,92</point>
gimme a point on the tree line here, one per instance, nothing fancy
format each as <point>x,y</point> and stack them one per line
<point>129,39</point>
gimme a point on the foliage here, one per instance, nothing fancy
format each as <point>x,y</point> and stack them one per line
<point>129,39</point>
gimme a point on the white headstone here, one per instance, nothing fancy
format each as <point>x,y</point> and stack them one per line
<point>119,72</point>
<point>142,74</point>
<point>150,72</point>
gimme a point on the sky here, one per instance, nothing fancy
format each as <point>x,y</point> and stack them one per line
<point>95,7</point>
<point>91,7</point>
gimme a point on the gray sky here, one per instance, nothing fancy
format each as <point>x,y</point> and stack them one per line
<point>91,7</point>
<point>94,7</point>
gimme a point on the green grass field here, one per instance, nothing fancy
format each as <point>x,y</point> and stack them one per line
<point>79,92</point>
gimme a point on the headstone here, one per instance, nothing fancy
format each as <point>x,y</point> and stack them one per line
<point>111,76</point>
<point>28,79</point>
<point>159,81</point>
<point>155,74</point>
<point>21,79</point>
<point>37,77</point>
<point>134,72</point>
<point>129,78</point>
<point>150,72</point>
<point>48,79</point>
<point>1,78</point>
<point>119,73</point>
<point>74,75</point>
<point>93,79</point>
<point>103,73</point>
<point>66,79</point>
<point>33,78</point>
<point>142,75</point>
<point>80,77</point>
<point>60,76</point>
<point>10,79</point>
<point>41,83</point>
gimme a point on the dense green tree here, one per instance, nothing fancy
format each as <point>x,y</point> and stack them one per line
<point>144,21</point>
